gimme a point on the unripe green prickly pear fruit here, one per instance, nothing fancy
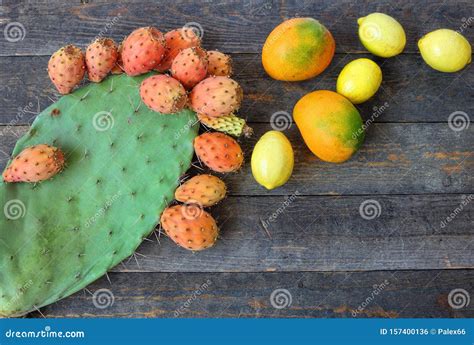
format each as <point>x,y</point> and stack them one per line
<point>230,124</point>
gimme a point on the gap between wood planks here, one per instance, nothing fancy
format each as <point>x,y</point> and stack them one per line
<point>361,52</point>
<point>460,268</point>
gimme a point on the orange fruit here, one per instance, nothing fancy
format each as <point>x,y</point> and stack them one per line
<point>298,49</point>
<point>330,125</point>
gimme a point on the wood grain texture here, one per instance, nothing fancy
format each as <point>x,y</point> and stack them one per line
<point>411,91</point>
<point>313,233</point>
<point>324,234</point>
<point>395,159</point>
<point>315,243</point>
<point>232,26</point>
<point>399,294</point>
<point>303,233</point>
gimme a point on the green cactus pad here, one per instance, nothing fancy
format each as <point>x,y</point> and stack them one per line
<point>123,163</point>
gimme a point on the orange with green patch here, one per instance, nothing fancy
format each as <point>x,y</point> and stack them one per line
<point>330,125</point>
<point>298,49</point>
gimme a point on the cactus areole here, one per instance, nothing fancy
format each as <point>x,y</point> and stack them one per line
<point>123,164</point>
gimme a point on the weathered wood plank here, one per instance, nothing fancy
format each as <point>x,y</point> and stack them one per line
<point>306,232</point>
<point>411,91</point>
<point>233,26</point>
<point>325,234</point>
<point>329,233</point>
<point>395,158</point>
<point>345,294</point>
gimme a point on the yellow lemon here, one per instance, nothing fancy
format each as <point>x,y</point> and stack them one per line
<point>272,160</point>
<point>359,80</point>
<point>381,34</point>
<point>445,50</point>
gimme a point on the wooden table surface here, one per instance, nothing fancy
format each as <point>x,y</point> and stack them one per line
<point>413,166</point>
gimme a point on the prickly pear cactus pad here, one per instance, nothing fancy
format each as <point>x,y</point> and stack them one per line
<point>123,163</point>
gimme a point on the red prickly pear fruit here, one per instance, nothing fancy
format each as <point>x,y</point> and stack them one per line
<point>220,64</point>
<point>189,226</point>
<point>143,50</point>
<point>190,66</point>
<point>219,152</point>
<point>66,68</point>
<point>118,68</point>
<point>34,164</point>
<point>216,96</point>
<point>101,57</point>
<point>206,190</point>
<point>163,94</point>
<point>177,40</point>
